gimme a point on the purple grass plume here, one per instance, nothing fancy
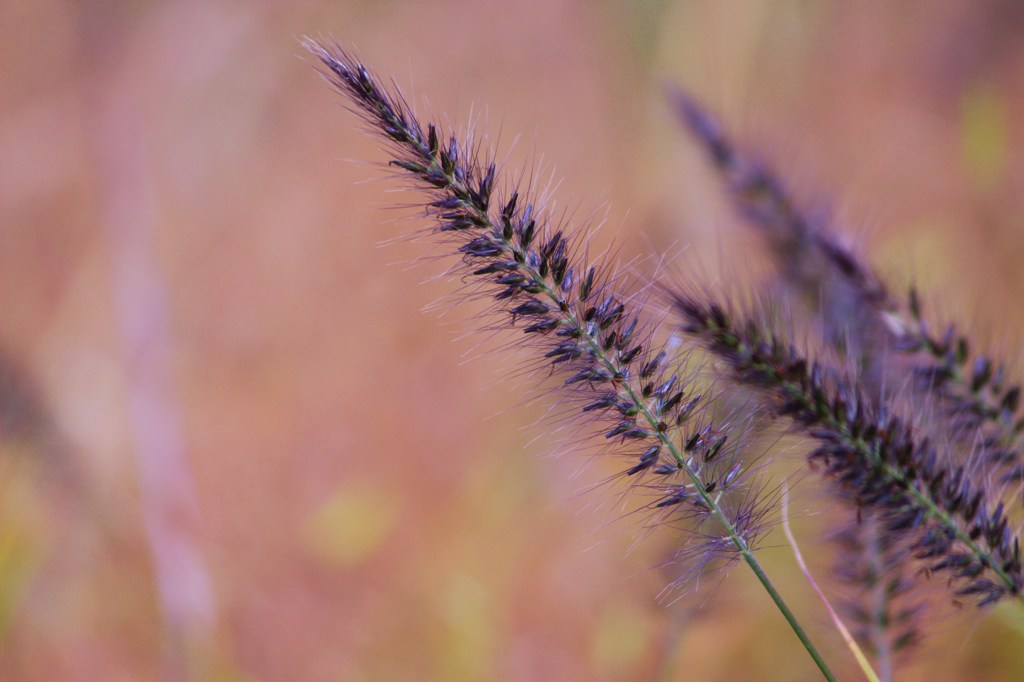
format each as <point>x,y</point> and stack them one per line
<point>910,497</point>
<point>589,334</point>
<point>873,457</point>
<point>861,316</point>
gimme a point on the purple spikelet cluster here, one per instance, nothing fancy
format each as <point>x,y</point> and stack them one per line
<point>979,400</point>
<point>874,457</point>
<point>587,332</point>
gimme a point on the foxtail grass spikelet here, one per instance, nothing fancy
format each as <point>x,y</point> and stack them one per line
<point>873,456</point>
<point>569,313</point>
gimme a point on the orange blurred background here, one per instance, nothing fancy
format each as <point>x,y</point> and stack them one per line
<point>234,447</point>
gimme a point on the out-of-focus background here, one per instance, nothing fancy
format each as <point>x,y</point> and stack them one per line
<point>233,446</point>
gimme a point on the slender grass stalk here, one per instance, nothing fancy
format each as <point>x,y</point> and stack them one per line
<point>851,643</point>
<point>569,312</point>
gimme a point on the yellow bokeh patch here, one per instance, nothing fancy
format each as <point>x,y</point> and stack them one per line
<point>351,525</point>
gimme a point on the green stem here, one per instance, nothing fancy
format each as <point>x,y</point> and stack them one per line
<point>787,614</point>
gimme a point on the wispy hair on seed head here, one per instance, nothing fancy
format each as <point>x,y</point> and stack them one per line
<point>577,319</point>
